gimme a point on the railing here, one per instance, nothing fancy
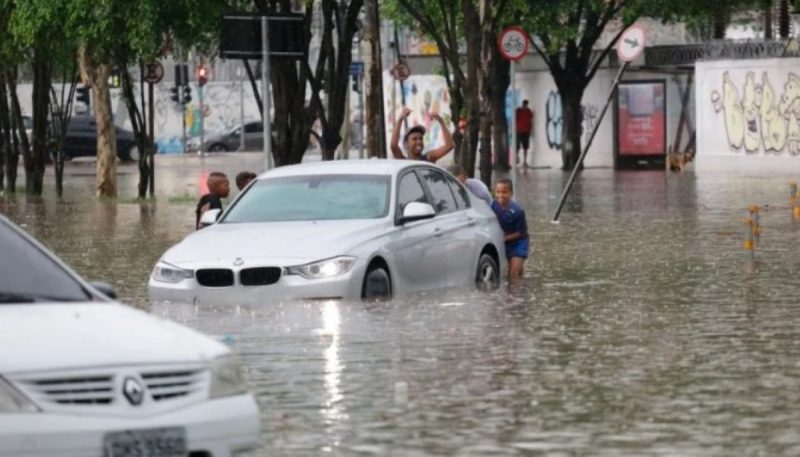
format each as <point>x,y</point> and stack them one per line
<point>688,54</point>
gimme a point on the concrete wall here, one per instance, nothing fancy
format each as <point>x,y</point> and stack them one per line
<point>749,114</point>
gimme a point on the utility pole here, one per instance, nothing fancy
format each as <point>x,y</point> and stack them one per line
<point>373,81</point>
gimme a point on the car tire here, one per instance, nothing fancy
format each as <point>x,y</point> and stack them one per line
<point>487,275</point>
<point>377,284</point>
<point>217,147</point>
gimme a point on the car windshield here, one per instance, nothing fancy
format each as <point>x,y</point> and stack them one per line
<point>28,275</point>
<point>313,197</point>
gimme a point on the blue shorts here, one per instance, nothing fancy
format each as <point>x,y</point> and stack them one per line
<point>517,248</point>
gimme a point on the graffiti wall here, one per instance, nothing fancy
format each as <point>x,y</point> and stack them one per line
<point>749,111</point>
<point>424,95</point>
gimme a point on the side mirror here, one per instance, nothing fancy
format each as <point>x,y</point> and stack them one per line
<point>416,211</point>
<point>210,217</point>
<point>105,289</point>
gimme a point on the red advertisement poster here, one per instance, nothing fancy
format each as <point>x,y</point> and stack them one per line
<point>641,118</point>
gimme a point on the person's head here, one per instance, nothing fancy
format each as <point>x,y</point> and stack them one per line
<point>503,191</point>
<point>244,178</point>
<point>218,184</point>
<point>458,172</point>
<point>524,103</point>
<point>414,141</point>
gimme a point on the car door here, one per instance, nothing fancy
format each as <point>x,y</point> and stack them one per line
<point>451,228</point>
<point>414,245</point>
<point>469,237</point>
<point>253,136</point>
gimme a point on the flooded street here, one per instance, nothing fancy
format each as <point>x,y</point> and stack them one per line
<point>643,328</point>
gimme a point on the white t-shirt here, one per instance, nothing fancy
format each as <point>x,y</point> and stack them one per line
<point>479,189</point>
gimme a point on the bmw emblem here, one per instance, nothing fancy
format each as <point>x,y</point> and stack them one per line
<point>133,391</point>
<point>238,262</point>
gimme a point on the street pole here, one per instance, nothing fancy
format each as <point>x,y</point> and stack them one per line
<point>152,143</point>
<point>513,125</point>
<point>361,117</point>
<point>241,110</point>
<point>202,121</point>
<point>563,197</point>
<point>183,122</point>
<point>265,91</point>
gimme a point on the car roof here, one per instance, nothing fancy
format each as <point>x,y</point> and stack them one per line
<point>361,166</point>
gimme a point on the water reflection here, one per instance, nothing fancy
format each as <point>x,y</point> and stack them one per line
<point>331,319</point>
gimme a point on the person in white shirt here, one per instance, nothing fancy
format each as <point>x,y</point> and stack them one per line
<point>476,186</point>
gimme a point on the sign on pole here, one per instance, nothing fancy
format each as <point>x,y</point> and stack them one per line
<point>513,43</point>
<point>630,44</point>
<point>153,72</point>
<point>401,71</point>
<point>356,68</point>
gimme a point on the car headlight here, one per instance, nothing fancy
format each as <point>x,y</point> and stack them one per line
<point>164,272</point>
<point>227,377</point>
<point>324,268</point>
<point>13,401</point>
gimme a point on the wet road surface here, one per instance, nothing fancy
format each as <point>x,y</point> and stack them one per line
<point>643,328</point>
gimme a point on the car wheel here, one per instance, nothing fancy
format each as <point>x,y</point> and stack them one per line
<point>217,147</point>
<point>487,275</point>
<point>377,284</point>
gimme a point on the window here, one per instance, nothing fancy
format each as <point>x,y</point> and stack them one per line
<point>460,193</point>
<point>313,198</point>
<point>409,190</point>
<point>28,275</point>
<point>443,199</point>
<point>253,127</point>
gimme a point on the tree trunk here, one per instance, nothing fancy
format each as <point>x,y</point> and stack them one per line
<point>60,113</point>
<point>139,127</point>
<point>97,74</point>
<point>10,152</point>
<point>41,106</point>
<point>783,19</point>
<point>720,21</point>
<point>373,84</point>
<point>5,128</point>
<point>573,120</point>
<point>500,82</point>
<point>19,135</point>
<point>766,10</point>
<point>472,84</point>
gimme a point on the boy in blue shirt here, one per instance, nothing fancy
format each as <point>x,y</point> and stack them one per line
<point>512,220</point>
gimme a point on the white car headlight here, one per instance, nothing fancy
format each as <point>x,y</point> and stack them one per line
<point>13,401</point>
<point>324,268</point>
<point>164,272</point>
<point>227,377</point>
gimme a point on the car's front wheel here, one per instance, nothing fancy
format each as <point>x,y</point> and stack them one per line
<point>217,147</point>
<point>377,284</point>
<point>487,275</point>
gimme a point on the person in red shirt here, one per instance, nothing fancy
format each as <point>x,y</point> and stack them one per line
<point>524,128</point>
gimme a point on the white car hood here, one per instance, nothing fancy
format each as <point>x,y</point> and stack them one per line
<point>53,336</point>
<point>280,242</point>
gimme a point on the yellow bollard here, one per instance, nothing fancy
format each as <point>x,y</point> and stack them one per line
<point>748,238</point>
<point>797,212</point>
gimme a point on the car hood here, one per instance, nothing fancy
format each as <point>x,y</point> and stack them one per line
<point>53,336</point>
<point>280,242</point>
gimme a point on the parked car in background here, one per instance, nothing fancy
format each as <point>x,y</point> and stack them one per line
<point>81,140</point>
<point>27,121</point>
<point>231,139</point>
<point>337,229</point>
<point>82,375</point>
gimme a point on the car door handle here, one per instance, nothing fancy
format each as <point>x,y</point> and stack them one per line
<point>471,222</point>
<point>437,232</point>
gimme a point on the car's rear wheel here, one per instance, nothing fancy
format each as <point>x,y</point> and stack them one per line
<point>377,284</point>
<point>217,147</point>
<point>487,275</point>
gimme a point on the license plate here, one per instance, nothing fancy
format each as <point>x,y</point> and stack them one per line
<point>159,442</point>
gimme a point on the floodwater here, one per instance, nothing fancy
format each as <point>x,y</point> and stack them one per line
<point>642,328</point>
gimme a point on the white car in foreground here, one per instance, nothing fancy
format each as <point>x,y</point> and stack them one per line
<point>81,375</point>
<point>339,229</point>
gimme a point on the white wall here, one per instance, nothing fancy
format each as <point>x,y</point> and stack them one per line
<point>749,114</point>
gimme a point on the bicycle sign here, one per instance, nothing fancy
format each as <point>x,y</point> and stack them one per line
<point>513,43</point>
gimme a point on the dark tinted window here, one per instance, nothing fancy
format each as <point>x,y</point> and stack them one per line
<point>253,127</point>
<point>443,200</point>
<point>28,275</point>
<point>409,190</point>
<point>459,191</point>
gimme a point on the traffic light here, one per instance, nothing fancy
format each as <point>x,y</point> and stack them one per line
<point>202,75</point>
<point>83,95</point>
<point>175,97</point>
<point>187,94</point>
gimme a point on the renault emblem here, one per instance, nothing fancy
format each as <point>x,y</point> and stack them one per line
<point>238,262</point>
<point>133,391</point>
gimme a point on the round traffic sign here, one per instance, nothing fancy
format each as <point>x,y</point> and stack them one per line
<point>630,44</point>
<point>153,72</point>
<point>401,71</point>
<point>513,43</point>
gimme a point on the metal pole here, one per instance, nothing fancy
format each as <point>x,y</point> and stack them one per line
<point>202,121</point>
<point>514,124</point>
<point>183,123</point>
<point>362,136</point>
<point>241,114</point>
<point>152,143</point>
<point>563,197</point>
<point>265,91</point>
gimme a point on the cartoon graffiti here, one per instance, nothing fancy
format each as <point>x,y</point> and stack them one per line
<point>589,113</point>
<point>555,120</point>
<point>754,122</point>
<point>773,127</point>
<point>423,95</point>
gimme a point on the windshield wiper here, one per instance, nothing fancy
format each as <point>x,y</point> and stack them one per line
<point>12,297</point>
